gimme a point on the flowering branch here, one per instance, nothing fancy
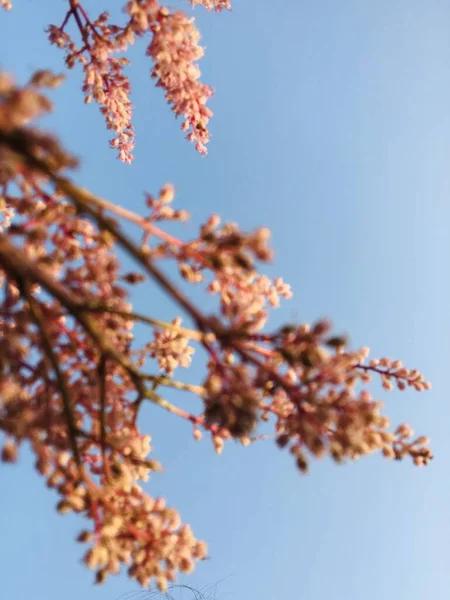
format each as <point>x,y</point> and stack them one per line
<point>283,368</point>
<point>72,376</point>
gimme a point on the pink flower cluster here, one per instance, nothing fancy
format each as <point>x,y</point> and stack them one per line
<point>171,349</point>
<point>175,51</point>
<point>217,5</point>
<point>72,378</point>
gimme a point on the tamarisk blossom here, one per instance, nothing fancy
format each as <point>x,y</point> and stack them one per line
<point>174,48</point>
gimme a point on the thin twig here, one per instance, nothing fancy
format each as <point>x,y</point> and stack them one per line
<point>193,334</point>
<point>178,385</point>
<point>132,217</point>
<point>102,393</point>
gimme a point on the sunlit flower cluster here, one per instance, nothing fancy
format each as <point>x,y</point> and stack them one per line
<point>171,349</point>
<point>173,47</point>
<point>175,51</point>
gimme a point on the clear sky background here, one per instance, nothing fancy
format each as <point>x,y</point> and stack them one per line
<point>332,127</point>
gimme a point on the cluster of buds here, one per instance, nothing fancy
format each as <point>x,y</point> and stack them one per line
<point>319,410</point>
<point>229,256</point>
<point>174,49</point>
<point>170,348</point>
<point>161,209</point>
<point>393,373</point>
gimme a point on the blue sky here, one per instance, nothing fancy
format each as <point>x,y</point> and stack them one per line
<point>332,127</point>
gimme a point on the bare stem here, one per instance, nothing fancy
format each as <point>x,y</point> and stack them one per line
<point>190,333</point>
<point>178,385</point>
<point>132,217</point>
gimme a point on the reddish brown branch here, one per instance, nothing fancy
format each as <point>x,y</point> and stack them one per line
<point>36,313</point>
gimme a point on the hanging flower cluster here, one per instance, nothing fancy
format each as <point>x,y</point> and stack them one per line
<point>173,47</point>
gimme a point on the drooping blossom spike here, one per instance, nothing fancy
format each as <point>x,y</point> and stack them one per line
<point>175,51</point>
